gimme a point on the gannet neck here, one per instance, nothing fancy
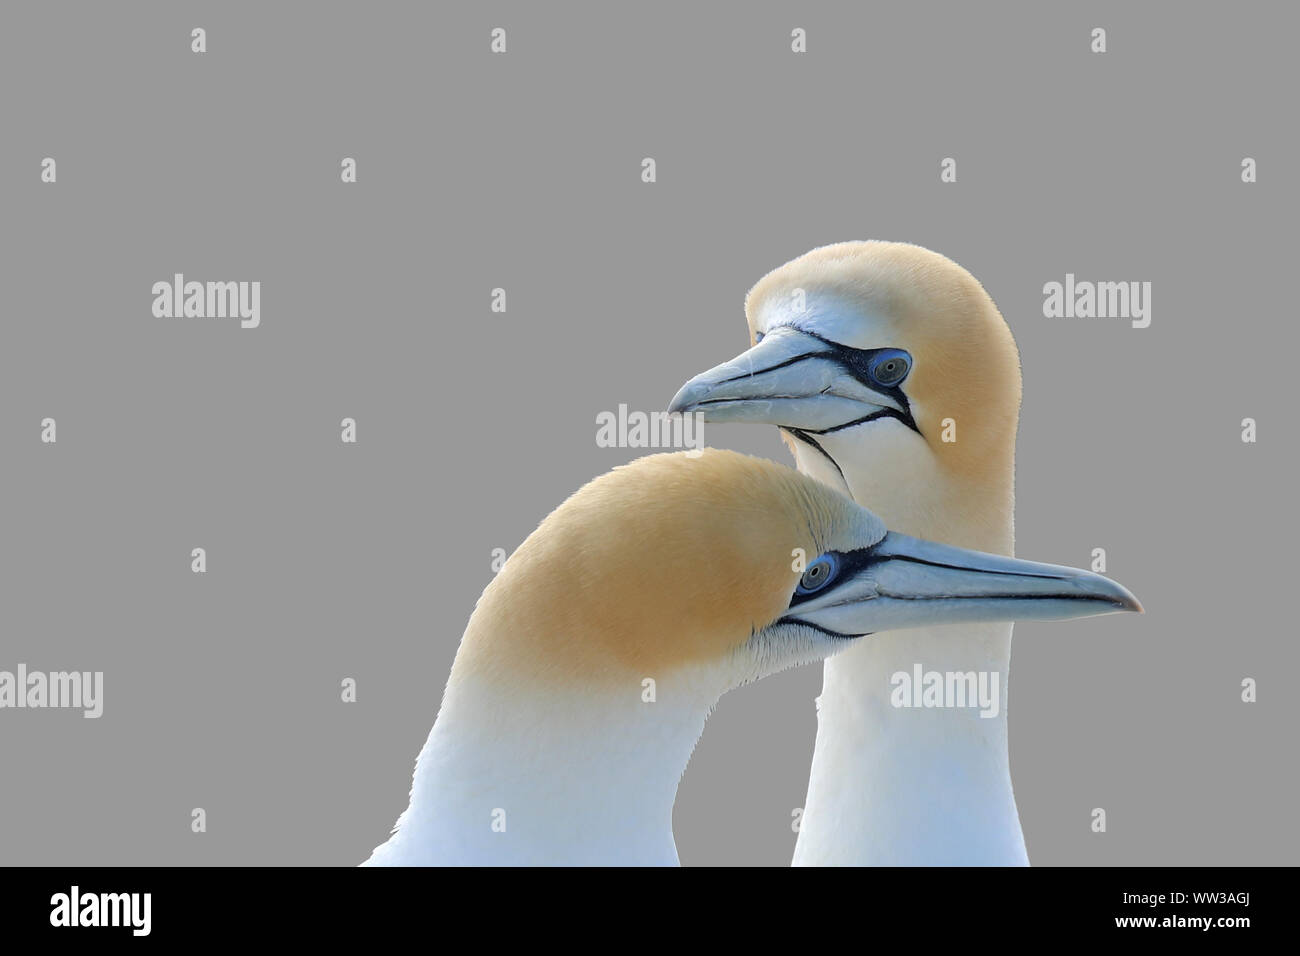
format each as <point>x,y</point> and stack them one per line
<point>911,495</point>
<point>562,777</point>
<point>592,659</point>
<point>911,787</point>
<point>896,380</point>
<point>914,786</point>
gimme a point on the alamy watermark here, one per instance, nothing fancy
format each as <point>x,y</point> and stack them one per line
<point>127,910</point>
<point>1073,299</point>
<point>947,689</point>
<point>208,300</point>
<point>79,690</point>
<point>632,429</point>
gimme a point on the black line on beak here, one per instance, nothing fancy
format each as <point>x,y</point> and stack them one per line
<point>912,559</point>
<point>904,416</point>
<point>771,368</point>
<point>855,362</point>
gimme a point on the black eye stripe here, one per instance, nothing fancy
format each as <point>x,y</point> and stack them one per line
<point>845,565</point>
<point>857,362</point>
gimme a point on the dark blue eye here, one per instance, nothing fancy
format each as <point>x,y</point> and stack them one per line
<point>818,574</point>
<point>888,367</point>
<point>758,337</point>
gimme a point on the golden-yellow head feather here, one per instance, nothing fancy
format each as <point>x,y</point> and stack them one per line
<point>967,367</point>
<point>672,560</point>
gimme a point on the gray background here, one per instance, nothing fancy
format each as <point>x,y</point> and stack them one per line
<point>523,171</point>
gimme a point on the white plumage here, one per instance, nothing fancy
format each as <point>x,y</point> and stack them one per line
<point>933,453</point>
<point>592,660</point>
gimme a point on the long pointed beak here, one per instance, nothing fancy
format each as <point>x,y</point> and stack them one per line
<point>790,379</point>
<point>905,582</point>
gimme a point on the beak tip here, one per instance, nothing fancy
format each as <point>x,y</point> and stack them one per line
<point>1126,600</point>
<point>1120,598</point>
<point>686,400</point>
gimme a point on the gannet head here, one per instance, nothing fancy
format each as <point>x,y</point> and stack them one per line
<point>886,358</point>
<point>683,560</point>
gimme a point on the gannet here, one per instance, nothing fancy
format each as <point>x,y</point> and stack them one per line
<point>893,377</point>
<point>591,661</point>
